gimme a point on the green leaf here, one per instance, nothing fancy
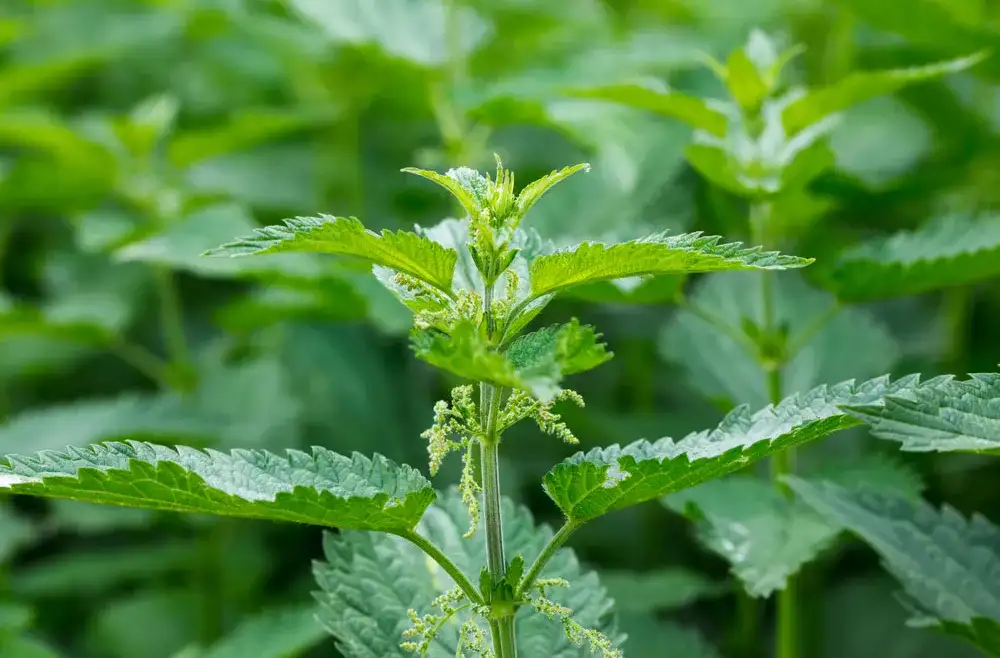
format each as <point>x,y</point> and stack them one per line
<point>690,110</point>
<point>663,589</point>
<point>588,485</point>
<point>864,85</point>
<point>535,362</point>
<point>276,633</point>
<point>246,128</point>
<point>765,536</point>
<point>92,573</point>
<point>180,245</point>
<point>949,566</point>
<point>15,533</point>
<point>401,250</point>
<point>953,250</point>
<point>322,488</point>
<point>414,30</point>
<point>654,255</point>
<point>570,348</point>
<point>956,416</point>
<point>717,338</point>
<point>649,636</point>
<point>467,185</point>
<point>534,190</point>
<point>369,581</point>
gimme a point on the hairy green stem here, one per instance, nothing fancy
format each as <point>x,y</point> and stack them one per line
<point>535,570</point>
<point>444,562</point>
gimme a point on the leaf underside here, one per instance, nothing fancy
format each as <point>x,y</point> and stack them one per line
<point>948,565</point>
<point>588,485</point>
<point>657,254</point>
<point>369,581</point>
<point>765,536</point>
<point>322,488</point>
<point>960,415</point>
<point>402,251</point>
<point>952,251</point>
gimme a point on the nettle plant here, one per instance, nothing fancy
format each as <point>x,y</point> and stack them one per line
<point>764,145</point>
<point>453,573</point>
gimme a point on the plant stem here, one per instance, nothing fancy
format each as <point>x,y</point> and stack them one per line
<point>450,568</point>
<point>543,558</point>
<point>170,317</point>
<point>782,463</point>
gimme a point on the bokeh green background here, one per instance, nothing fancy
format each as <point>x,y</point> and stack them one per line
<point>135,134</point>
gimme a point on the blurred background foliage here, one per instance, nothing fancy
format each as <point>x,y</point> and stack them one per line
<point>135,134</point>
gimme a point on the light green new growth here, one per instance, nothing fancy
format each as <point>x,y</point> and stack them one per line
<point>949,566</point>
<point>953,250</point>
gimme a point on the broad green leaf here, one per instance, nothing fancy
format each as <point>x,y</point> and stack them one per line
<point>590,484</point>
<point>816,104</point>
<point>650,636</point>
<point>717,338</point>
<point>957,416</point>
<point>244,129</point>
<point>765,536</point>
<point>401,250</point>
<point>868,604</point>
<point>180,245</point>
<point>276,633</point>
<point>535,362</point>
<point>15,533</point>
<point>953,250</point>
<point>369,581</point>
<point>414,30</point>
<point>948,565</point>
<point>690,110</point>
<point>663,589</point>
<point>244,404</point>
<point>322,488</point>
<point>657,254</point>
<point>94,572</point>
<point>879,141</point>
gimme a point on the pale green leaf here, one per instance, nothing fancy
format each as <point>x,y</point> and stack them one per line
<point>534,190</point>
<point>180,245</point>
<point>712,338</point>
<point>766,537</point>
<point>953,250</point>
<point>657,254</point>
<point>322,488</point>
<point>401,250</point>
<point>663,589</point>
<point>414,30</point>
<point>15,533</point>
<point>948,565</point>
<point>860,86</point>
<point>961,415</point>
<point>277,633</point>
<point>535,362</point>
<point>84,572</point>
<point>690,110</point>
<point>25,647</point>
<point>650,636</point>
<point>369,581</point>
<point>244,129</point>
<point>588,485</point>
